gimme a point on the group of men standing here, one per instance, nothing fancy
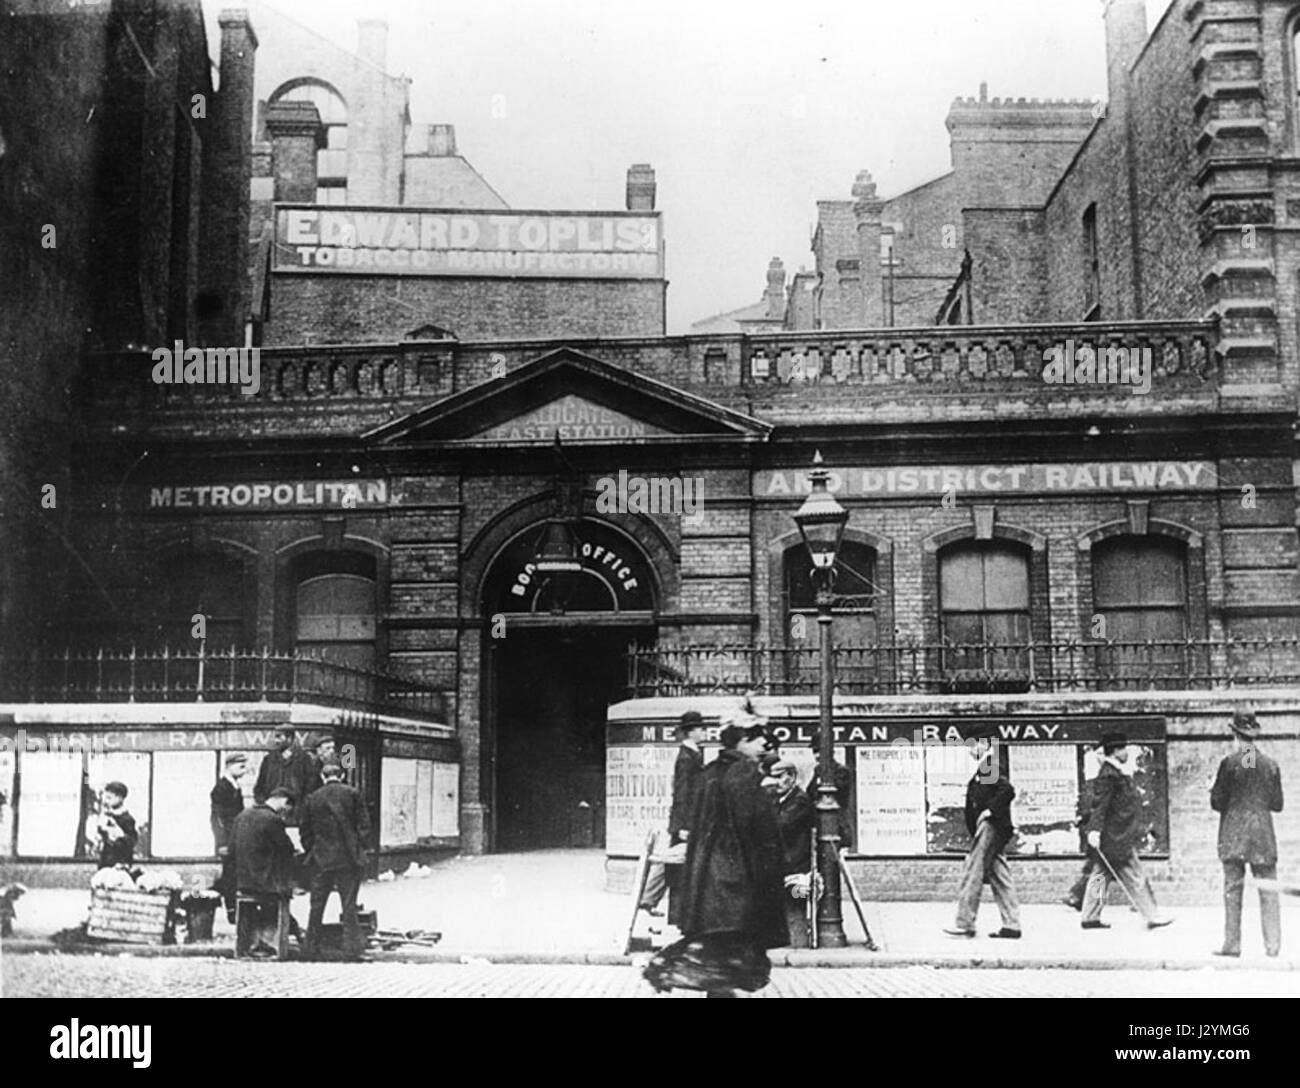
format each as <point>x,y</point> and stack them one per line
<point>1247,791</point>
<point>294,788</point>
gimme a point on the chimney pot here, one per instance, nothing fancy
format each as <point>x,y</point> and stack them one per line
<point>641,187</point>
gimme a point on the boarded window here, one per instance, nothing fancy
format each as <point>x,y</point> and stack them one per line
<point>335,610</point>
<point>984,606</point>
<point>1139,588</point>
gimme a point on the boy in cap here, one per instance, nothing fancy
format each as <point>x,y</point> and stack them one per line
<point>116,828</point>
<point>989,794</point>
<point>1116,828</point>
<point>227,802</point>
<point>1247,791</point>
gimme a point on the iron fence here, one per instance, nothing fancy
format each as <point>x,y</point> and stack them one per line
<point>178,676</point>
<point>906,668</point>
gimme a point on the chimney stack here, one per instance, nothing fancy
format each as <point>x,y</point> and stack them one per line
<point>641,187</point>
<point>442,140</point>
<point>296,135</point>
<point>775,293</point>
<point>1126,34</point>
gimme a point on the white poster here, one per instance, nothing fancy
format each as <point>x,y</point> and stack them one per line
<point>51,804</point>
<point>638,794</point>
<point>446,800</point>
<point>424,799</point>
<point>132,770</point>
<point>948,770</point>
<point>1047,796</point>
<point>397,802</point>
<point>182,783</point>
<point>6,802</point>
<point>891,800</point>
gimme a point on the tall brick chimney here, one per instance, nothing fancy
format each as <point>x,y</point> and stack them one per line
<point>296,135</point>
<point>641,187</point>
<point>221,306</point>
<point>775,293</point>
<point>1126,34</point>
<point>867,209</point>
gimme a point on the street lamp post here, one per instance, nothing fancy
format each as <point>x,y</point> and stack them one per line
<point>821,520</point>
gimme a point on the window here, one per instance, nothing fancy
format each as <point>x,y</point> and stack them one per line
<point>1091,266</point>
<point>855,617</point>
<point>214,586</point>
<point>1139,589</point>
<point>984,614</point>
<point>335,609</point>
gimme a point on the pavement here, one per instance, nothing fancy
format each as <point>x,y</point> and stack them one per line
<point>550,907</point>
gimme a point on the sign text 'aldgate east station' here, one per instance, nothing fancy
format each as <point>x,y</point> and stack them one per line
<point>610,245</point>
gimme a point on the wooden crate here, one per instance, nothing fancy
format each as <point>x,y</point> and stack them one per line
<point>119,914</point>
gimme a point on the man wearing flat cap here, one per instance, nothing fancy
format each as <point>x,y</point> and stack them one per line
<point>1246,792</point>
<point>1117,826</point>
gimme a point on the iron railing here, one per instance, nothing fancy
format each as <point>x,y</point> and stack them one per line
<point>934,668</point>
<point>167,675</point>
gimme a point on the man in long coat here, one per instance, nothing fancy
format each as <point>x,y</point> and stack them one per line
<point>289,767</point>
<point>226,803</point>
<point>731,908</point>
<point>795,817</point>
<point>262,848</point>
<point>1116,828</point>
<point>989,794</point>
<point>334,827</point>
<point>1247,791</point>
<point>686,779</point>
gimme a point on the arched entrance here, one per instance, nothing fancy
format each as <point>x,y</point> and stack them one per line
<point>553,653</point>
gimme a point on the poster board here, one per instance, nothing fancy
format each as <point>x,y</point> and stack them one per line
<point>132,770</point>
<point>638,792</point>
<point>446,800</point>
<point>1046,777</point>
<point>948,770</point>
<point>1151,777</point>
<point>423,799</point>
<point>398,801</point>
<point>182,782</point>
<point>891,800</point>
<point>51,804</point>
<point>7,764</point>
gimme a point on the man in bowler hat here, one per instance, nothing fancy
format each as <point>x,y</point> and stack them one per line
<point>1247,791</point>
<point>1116,828</point>
<point>989,794</point>
<point>686,779</point>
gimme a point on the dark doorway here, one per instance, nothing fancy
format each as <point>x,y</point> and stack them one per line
<point>554,685</point>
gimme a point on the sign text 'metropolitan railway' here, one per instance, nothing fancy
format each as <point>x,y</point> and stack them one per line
<point>281,495</point>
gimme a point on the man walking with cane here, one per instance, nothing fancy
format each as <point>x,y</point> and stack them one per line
<point>1116,828</point>
<point>1247,791</point>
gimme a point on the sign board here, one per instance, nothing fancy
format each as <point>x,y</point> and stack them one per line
<point>1047,797</point>
<point>638,794</point>
<point>437,242</point>
<point>936,480</point>
<point>573,419</point>
<point>182,782</point>
<point>397,802</point>
<point>271,495</point>
<point>891,800</point>
<point>51,804</point>
<point>446,800</point>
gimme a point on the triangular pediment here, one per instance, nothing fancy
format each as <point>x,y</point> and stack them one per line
<point>577,398</point>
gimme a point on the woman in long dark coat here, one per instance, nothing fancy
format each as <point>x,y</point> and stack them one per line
<point>731,894</point>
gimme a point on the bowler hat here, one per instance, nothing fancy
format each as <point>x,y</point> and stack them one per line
<point>692,719</point>
<point>1245,725</point>
<point>1114,740</point>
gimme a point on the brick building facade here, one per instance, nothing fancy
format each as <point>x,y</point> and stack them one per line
<point>1058,558</point>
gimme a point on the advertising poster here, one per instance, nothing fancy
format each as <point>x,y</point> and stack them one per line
<point>424,799</point>
<point>446,800</point>
<point>638,791</point>
<point>397,801</point>
<point>51,804</point>
<point>1047,796</point>
<point>182,782</point>
<point>6,802</point>
<point>132,770</point>
<point>948,769</point>
<point>891,800</point>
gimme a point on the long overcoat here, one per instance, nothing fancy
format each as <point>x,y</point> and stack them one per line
<point>734,863</point>
<point>686,780</point>
<point>1246,798</point>
<point>1117,812</point>
<point>334,827</point>
<point>263,853</point>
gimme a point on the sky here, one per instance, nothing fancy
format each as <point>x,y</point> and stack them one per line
<point>749,110</point>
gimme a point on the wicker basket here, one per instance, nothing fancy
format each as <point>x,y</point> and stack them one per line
<point>119,914</point>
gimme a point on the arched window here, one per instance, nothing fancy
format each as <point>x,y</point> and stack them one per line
<point>332,159</point>
<point>211,585</point>
<point>1139,591</point>
<point>984,612</point>
<point>334,608</point>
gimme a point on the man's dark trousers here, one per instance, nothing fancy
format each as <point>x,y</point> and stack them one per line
<point>347,882</point>
<point>1270,914</point>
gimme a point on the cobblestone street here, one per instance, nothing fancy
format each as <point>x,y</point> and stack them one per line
<point>81,976</point>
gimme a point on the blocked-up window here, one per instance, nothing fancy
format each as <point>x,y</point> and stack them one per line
<point>855,627</point>
<point>984,611</point>
<point>210,585</point>
<point>1139,589</point>
<point>335,613</point>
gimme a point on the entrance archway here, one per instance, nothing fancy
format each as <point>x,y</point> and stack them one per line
<point>553,653</point>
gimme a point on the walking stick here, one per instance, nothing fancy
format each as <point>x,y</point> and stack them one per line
<point>857,903</point>
<point>1115,877</point>
<point>812,890</point>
